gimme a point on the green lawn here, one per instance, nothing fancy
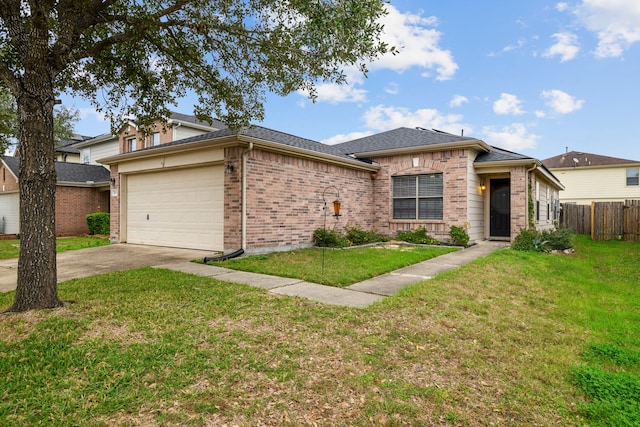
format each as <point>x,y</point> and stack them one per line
<point>513,339</point>
<point>336,267</point>
<point>11,248</point>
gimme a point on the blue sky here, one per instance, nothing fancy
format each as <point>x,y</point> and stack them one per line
<point>533,77</point>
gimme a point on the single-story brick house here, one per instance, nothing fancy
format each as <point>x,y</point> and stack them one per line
<point>262,189</point>
<point>80,190</point>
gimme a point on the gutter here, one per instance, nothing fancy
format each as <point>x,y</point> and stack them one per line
<point>245,154</point>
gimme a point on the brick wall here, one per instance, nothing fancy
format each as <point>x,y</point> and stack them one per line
<point>72,206</point>
<point>519,197</point>
<point>143,141</point>
<point>233,199</point>
<point>452,164</point>
<point>285,199</point>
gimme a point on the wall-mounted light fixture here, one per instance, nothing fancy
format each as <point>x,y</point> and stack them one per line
<point>482,185</point>
<point>373,175</point>
<point>113,181</point>
<point>229,169</point>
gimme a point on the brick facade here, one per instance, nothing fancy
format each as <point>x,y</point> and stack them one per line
<point>73,204</point>
<point>114,197</point>
<point>452,164</point>
<point>285,199</point>
<point>142,140</point>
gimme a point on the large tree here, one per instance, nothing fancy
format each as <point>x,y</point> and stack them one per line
<point>136,58</point>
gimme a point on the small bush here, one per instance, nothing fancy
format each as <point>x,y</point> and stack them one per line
<point>417,236</point>
<point>329,238</point>
<point>98,223</point>
<point>459,236</point>
<point>544,241</point>
<point>361,237</point>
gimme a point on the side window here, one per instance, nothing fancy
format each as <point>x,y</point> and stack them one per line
<point>633,176</point>
<point>131,144</point>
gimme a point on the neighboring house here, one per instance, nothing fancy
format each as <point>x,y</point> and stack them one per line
<point>594,178</point>
<point>67,152</point>
<point>81,190</point>
<point>260,188</point>
<point>178,126</point>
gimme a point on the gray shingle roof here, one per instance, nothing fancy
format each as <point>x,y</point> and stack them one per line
<point>259,132</point>
<point>399,138</point>
<point>498,154</point>
<point>566,160</point>
<point>215,123</point>
<point>68,172</point>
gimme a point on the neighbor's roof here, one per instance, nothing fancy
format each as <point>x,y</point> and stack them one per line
<point>576,159</point>
<point>68,172</point>
<point>68,145</point>
<point>186,118</point>
<point>403,138</point>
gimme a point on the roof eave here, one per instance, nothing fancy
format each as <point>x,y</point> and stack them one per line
<point>87,184</point>
<point>475,144</point>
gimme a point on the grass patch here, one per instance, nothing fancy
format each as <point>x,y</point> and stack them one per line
<point>342,267</point>
<point>11,248</point>
<point>508,339</point>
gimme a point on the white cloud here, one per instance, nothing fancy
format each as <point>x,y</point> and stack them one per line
<point>392,88</point>
<point>508,104</point>
<point>381,118</point>
<point>561,102</point>
<point>616,24</point>
<point>337,139</point>
<point>540,114</point>
<point>566,47</point>
<point>457,101</point>
<point>514,137</point>
<point>418,44</point>
<point>511,47</point>
<point>561,7</point>
<point>85,112</point>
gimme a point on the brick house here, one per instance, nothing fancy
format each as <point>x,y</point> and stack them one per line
<point>261,189</point>
<point>80,190</point>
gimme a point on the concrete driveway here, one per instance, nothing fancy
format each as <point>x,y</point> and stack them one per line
<point>103,259</point>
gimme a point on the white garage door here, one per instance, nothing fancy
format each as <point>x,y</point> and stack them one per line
<point>180,208</point>
<point>10,213</point>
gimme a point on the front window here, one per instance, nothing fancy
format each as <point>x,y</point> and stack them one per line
<point>131,144</point>
<point>418,197</point>
<point>154,139</point>
<point>633,176</point>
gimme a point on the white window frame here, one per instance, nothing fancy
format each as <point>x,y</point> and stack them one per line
<point>633,177</point>
<point>420,195</point>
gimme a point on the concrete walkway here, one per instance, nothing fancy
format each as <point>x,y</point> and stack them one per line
<point>358,295</point>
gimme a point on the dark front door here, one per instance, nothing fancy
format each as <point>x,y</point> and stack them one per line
<point>500,208</point>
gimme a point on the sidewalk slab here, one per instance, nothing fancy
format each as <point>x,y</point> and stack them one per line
<point>328,294</point>
<point>387,284</point>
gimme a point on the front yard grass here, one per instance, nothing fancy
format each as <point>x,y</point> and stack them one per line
<point>504,340</point>
<point>342,267</point>
<point>11,248</point>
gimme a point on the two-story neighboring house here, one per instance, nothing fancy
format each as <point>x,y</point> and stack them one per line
<point>591,177</point>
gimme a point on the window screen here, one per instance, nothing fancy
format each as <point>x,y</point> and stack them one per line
<point>418,197</point>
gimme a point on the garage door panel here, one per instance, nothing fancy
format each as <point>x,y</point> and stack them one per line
<point>179,208</point>
<point>10,213</point>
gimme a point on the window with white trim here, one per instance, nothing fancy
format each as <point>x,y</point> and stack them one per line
<point>418,197</point>
<point>633,176</point>
<point>131,144</point>
<point>154,139</point>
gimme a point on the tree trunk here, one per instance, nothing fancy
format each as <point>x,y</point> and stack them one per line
<point>37,278</point>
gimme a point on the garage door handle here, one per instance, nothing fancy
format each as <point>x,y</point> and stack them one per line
<point>147,217</point>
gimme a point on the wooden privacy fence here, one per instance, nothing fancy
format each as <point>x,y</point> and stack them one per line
<point>604,220</point>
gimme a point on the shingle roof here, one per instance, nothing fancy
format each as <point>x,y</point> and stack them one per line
<point>215,123</point>
<point>66,145</point>
<point>259,132</point>
<point>566,160</point>
<point>68,172</point>
<point>498,154</point>
<point>397,139</point>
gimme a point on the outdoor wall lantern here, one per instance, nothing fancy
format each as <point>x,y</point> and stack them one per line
<point>336,213</point>
<point>336,208</point>
<point>482,186</point>
<point>373,175</point>
<point>229,169</point>
<point>113,181</point>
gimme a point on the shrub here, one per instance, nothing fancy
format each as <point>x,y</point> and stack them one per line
<point>544,241</point>
<point>98,223</point>
<point>459,236</point>
<point>329,238</point>
<point>418,236</point>
<point>361,237</point>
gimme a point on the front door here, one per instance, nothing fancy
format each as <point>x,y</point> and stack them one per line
<point>500,208</point>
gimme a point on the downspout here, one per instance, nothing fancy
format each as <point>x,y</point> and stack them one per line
<point>245,154</point>
<point>529,190</point>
